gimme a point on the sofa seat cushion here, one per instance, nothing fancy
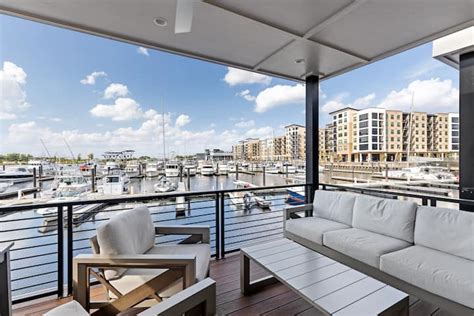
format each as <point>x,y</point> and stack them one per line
<point>362,245</point>
<point>335,206</point>
<point>435,271</point>
<point>312,228</point>
<point>71,308</point>
<point>133,278</point>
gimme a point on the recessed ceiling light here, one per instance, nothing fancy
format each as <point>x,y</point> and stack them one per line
<point>299,61</point>
<point>160,21</point>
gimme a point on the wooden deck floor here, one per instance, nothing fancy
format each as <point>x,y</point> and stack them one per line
<point>274,300</point>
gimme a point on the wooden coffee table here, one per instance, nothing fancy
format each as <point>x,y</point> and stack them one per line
<point>328,285</point>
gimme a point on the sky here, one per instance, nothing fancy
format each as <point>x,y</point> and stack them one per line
<point>99,94</point>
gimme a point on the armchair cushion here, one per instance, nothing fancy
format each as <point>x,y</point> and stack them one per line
<point>391,218</point>
<point>133,278</point>
<point>335,206</point>
<point>435,271</point>
<point>446,230</point>
<point>312,228</point>
<point>127,233</point>
<point>71,308</point>
<point>362,245</point>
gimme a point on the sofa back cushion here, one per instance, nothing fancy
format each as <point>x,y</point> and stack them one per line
<point>127,233</point>
<point>335,206</point>
<point>392,218</point>
<point>447,230</point>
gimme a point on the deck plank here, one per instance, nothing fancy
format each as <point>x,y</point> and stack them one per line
<point>274,300</point>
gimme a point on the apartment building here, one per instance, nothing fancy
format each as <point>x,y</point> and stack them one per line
<point>279,149</point>
<point>295,141</point>
<point>394,135</point>
<point>369,143</point>
<point>342,125</point>
<point>323,153</point>
<point>238,151</point>
<point>252,149</point>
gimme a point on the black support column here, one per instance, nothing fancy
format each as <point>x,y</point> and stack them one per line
<point>466,127</point>
<point>312,135</point>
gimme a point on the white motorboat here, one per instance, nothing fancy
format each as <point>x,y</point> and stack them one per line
<point>207,169</point>
<point>165,185</point>
<point>428,173</point>
<point>152,170</point>
<point>109,165</point>
<point>46,167</point>
<point>172,169</point>
<point>231,167</point>
<point>247,199</point>
<point>115,183</point>
<point>273,169</point>
<point>288,168</point>
<point>18,172</point>
<point>189,169</point>
<point>4,186</point>
<point>222,169</point>
<point>132,170</point>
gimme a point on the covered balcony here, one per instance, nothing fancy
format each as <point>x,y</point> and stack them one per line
<point>307,41</point>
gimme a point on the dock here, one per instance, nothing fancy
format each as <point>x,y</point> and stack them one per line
<point>16,193</point>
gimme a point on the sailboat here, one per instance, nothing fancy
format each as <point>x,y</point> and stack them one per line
<point>164,184</point>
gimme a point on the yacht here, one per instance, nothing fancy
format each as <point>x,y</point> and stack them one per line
<point>46,167</point>
<point>15,173</point>
<point>151,170</point>
<point>247,199</point>
<point>172,169</point>
<point>109,165</point>
<point>115,183</point>
<point>429,173</point>
<point>132,169</point>
<point>231,167</point>
<point>222,170</point>
<point>207,169</point>
<point>189,168</point>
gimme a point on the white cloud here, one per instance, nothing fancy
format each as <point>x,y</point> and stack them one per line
<point>115,90</point>
<point>122,110</point>
<point>338,103</point>
<point>182,120</point>
<point>279,95</point>
<point>52,119</point>
<point>424,68</point>
<point>433,95</point>
<point>246,95</point>
<point>12,94</point>
<point>90,79</point>
<point>245,124</point>
<point>262,132</point>
<point>236,76</point>
<point>143,51</point>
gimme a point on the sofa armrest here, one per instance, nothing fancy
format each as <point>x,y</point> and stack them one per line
<point>200,294</point>
<point>84,262</point>
<point>289,212</point>
<point>198,232</point>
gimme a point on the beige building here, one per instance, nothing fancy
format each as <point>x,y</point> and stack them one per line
<point>343,124</point>
<point>252,149</point>
<point>295,142</point>
<point>394,132</point>
<point>279,149</point>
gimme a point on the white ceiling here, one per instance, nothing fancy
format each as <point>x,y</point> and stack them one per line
<point>267,36</point>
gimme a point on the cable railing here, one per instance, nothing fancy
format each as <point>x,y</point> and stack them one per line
<point>41,259</point>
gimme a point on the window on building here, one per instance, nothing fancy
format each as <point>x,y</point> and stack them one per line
<point>375,131</point>
<point>374,116</point>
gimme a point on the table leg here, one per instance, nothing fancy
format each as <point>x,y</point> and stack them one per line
<point>247,286</point>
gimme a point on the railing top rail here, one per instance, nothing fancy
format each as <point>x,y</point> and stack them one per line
<point>405,194</point>
<point>141,197</point>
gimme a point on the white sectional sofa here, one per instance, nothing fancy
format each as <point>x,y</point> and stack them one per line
<point>427,252</point>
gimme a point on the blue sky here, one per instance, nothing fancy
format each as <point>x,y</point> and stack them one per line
<point>206,105</point>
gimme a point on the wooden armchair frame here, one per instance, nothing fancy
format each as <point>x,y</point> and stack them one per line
<point>179,266</point>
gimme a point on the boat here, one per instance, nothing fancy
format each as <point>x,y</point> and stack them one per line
<point>132,170</point>
<point>427,173</point>
<point>207,169</point>
<point>231,167</point>
<point>172,169</point>
<point>222,169</point>
<point>5,185</point>
<point>189,169</point>
<point>288,168</point>
<point>247,199</point>
<point>115,183</point>
<point>165,185</point>
<point>109,165</point>
<point>16,173</point>
<point>294,196</point>
<point>273,169</point>
<point>46,167</point>
<point>152,170</point>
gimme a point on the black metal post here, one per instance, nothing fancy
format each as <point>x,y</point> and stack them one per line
<point>70,246</point>
<point>466,129</point>
<point>222,223</point>
<point>236,171</point>
<point>93,171</point>
<point>218,225</point>
<point>264,178</point>
<point>312,134</point>
<point>60,252</point>
<point>34,181</point>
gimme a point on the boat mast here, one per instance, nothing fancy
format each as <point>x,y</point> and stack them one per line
<point>164,144</point>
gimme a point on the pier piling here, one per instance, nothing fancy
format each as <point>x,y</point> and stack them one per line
<point>263,173</point>
<point>34,181</point>
<point>236,171</point>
